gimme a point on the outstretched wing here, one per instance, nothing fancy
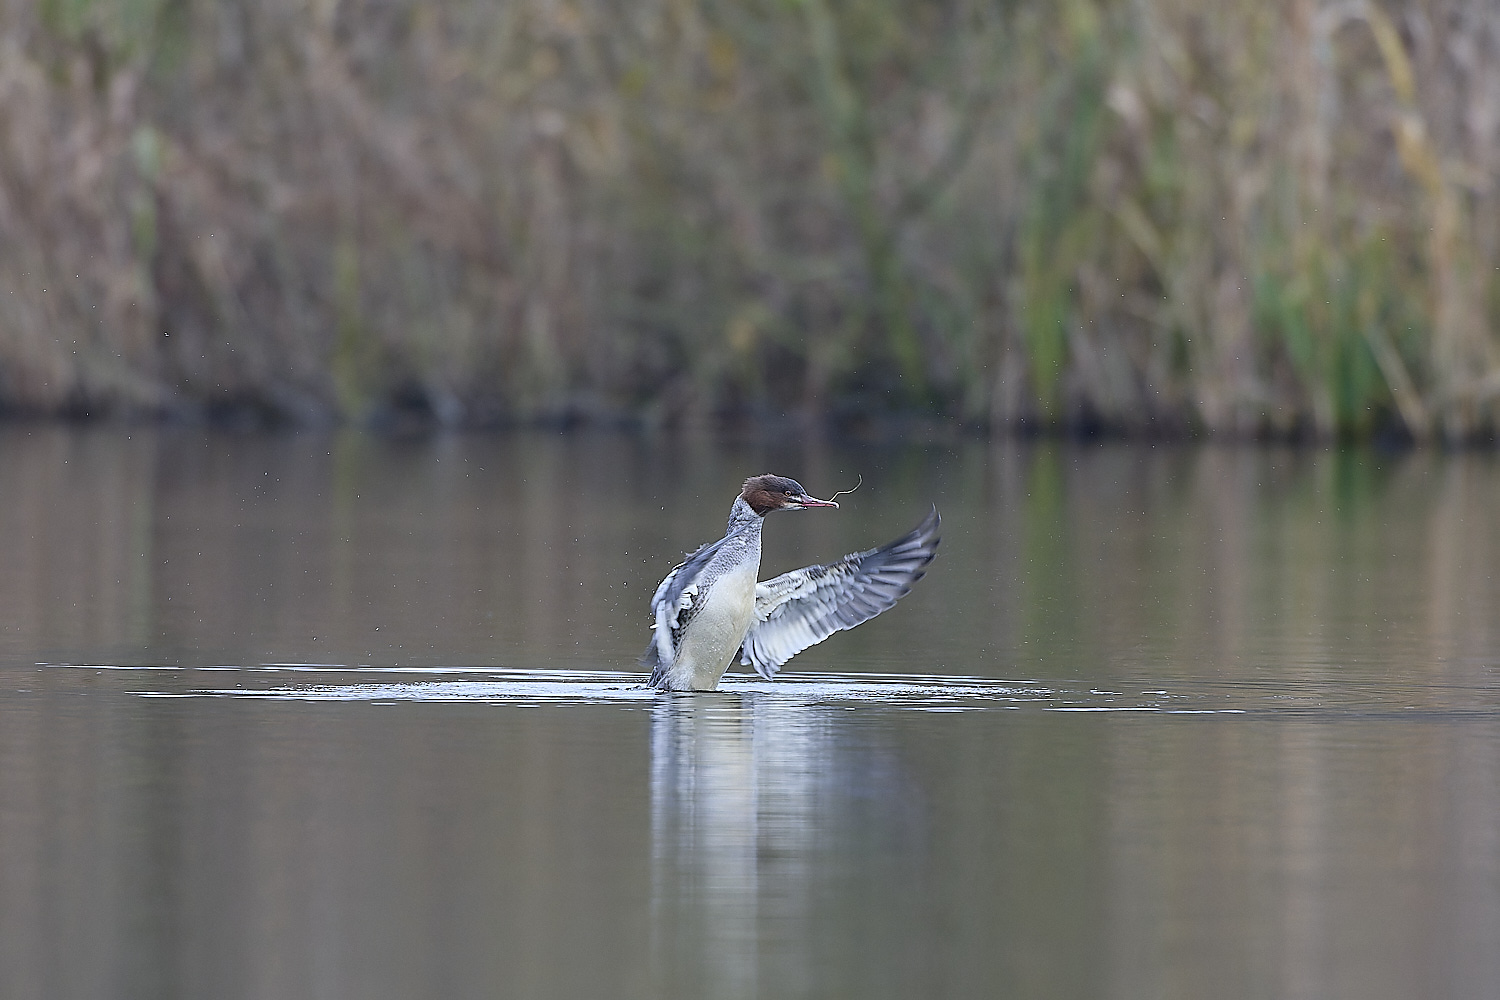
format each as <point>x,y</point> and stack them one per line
<point>672,606</point>
<point>806,606</point>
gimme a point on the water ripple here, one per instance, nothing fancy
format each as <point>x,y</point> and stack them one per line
<point>578,687</point>
<point>1283,698</point>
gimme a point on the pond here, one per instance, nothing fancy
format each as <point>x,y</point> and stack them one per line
<point>334,715</point>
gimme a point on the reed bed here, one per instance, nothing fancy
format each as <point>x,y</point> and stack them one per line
<point>1157,216</point>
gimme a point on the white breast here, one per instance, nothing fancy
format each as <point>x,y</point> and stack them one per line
<point>714,635</point>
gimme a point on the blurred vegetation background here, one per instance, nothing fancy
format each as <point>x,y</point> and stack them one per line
<point>1252,217</point>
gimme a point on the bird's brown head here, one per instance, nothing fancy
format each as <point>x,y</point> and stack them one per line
<point>767,493</point>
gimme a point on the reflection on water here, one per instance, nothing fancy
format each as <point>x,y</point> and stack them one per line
<point>773,825</point>
<point>1160,723</point>
<point>705,840</point>
<point>739,788</point>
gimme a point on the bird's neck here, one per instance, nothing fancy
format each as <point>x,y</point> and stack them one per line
<point>742,517</point>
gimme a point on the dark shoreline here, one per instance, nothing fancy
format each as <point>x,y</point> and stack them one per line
<point>865,430</point>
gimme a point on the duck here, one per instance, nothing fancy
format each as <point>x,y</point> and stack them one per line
<point>712,609</point>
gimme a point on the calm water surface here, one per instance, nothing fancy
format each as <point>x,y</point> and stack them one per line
<point>341,717</point>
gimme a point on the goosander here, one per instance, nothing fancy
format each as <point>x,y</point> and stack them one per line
<point>711,609</point>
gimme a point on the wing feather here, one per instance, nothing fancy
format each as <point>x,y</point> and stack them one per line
<point>802,608</point>
<point>673,606</point>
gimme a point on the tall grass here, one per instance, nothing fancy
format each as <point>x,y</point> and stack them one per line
<point>1155,215</point>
